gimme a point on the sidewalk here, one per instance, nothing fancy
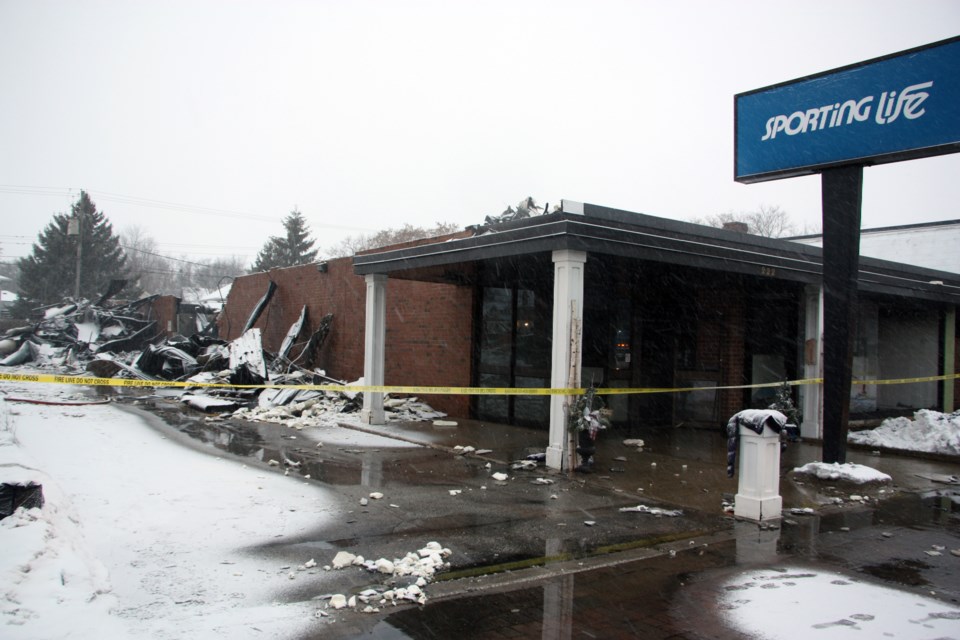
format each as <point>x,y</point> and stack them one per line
<point>681,588</point>
<point>683,466</point>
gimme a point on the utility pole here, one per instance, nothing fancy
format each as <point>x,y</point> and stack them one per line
<point>75,228</point>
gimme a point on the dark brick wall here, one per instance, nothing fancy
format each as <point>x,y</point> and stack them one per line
<point>730,301</point>
<point>429,326</point>
<point>164,310</point>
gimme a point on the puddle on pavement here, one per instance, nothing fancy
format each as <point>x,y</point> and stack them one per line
<point>331,464</point>
<point>907,572</point>
<point>930,508</point>
<point>628,600</point>
<point>677,596</point>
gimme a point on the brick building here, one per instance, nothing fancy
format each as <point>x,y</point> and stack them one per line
<point>637,301</point>
<point>428,325</point>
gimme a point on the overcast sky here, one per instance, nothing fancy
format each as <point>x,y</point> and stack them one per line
<point>206,122</point>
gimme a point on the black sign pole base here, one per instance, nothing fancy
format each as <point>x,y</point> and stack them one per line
<point>842,191</point>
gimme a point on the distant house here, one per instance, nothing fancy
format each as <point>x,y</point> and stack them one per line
<point>621,300</point>
<point>7,299</point>
<point>935,245</point>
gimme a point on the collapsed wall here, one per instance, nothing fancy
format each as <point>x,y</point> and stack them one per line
<point>429,326</point>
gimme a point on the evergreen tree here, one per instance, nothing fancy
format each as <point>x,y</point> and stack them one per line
<point>784,404</point>
<point>296,247</point>
<point>48,274</point>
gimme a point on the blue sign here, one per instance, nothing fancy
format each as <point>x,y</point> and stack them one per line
<point>899,107</point>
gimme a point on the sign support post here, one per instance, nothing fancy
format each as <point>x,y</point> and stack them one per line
<point>898,107</point>
<point>842,189</point>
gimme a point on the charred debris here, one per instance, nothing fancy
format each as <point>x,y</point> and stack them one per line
<point>124,341</point>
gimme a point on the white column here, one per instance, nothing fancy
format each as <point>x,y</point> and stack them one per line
<point>949,358</point>
<point>374,337</point>
<point>758,493</point>
<point>568,269</point>
<point>812,355</point>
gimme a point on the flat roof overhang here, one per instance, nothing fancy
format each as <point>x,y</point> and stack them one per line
<point>612,232</point>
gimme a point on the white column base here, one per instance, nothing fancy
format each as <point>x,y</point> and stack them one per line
<point>375,415</point>
<point>758,509</point>
<point>555,458</point>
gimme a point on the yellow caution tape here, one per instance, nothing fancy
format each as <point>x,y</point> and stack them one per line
<point>426,390</point>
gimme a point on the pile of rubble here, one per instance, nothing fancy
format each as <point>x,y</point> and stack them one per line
<point>72,333</point>
<point>319,408</point>
<point>123,342</point>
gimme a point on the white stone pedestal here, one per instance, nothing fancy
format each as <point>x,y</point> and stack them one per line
<point>758,495</point>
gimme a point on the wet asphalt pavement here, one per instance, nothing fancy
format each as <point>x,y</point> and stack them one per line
<point>559,560</point>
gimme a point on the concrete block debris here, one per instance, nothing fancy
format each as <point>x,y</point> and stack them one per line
<point>343,559</point>
<point>634,442</point>
<point>415,570</point>
<point>499,476</point>
<point>337,601</point>
<point>654,511</point>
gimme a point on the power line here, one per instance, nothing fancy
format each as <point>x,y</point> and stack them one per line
<point>160,255</point>
<point>98,195</point>
<point>214,246</point>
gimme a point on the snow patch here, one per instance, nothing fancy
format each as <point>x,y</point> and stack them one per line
<point>851,472</point>
<point>764,604</point>
<point>122,546</point>
<point>929,431</point>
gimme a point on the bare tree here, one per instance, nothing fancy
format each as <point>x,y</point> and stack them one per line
<point>407,233</point>
<point>769,221</point>
<point>213,273</point>
<point>146,265</point>
<point>166,275</point>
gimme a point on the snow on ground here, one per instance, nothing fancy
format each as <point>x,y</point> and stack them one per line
<point>764,604</point>
<point>140,537</point>
<point>929,431</point>
<point>851,472</point>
